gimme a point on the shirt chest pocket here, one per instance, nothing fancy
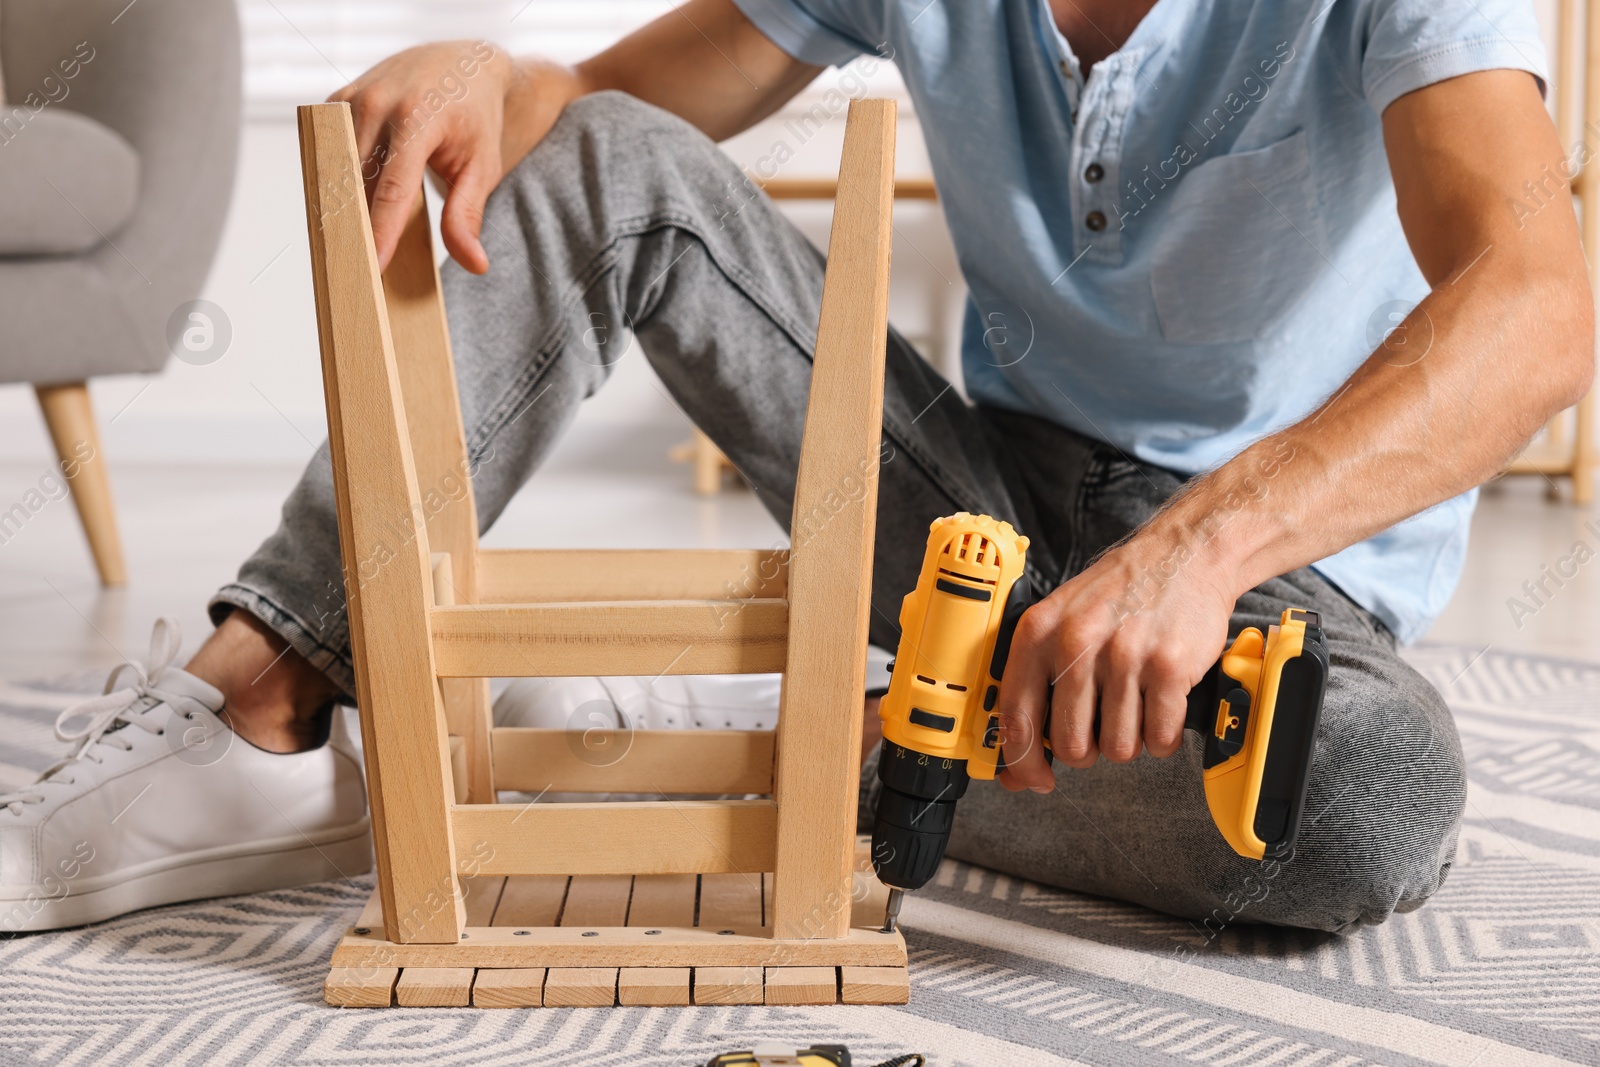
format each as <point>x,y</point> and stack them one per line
<point>1242,239</point>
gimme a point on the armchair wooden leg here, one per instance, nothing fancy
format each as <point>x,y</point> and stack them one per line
<point>708,464</point>
<point>77,439</point>
<point>708,461</point>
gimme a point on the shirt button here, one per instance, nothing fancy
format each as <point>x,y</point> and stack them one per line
<point>1093,173</point>
<point>1095,220</point>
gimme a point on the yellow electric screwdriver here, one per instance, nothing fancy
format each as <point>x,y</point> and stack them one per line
<point>1257,708</point>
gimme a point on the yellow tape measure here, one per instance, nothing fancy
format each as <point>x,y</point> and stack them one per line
<point>777,1054</point>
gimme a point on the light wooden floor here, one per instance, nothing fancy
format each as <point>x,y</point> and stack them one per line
<point>187,528</point>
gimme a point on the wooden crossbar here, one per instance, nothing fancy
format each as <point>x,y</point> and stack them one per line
<point>633,761</point>
<point>546,575</point>
<point>648,638</point>
<point>828,189</point>
<point>638,837</point>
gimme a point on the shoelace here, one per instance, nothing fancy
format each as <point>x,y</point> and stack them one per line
<point>106,713</point>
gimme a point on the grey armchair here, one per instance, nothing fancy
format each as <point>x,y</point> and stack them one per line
<point>118,144</point>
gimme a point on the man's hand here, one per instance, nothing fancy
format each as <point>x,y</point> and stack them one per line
<point>445,107</point>
<point>469,112</point>
<point>1125,641</point>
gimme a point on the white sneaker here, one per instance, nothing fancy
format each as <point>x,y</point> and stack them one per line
<point>161,802</point>
<point>670,702</point>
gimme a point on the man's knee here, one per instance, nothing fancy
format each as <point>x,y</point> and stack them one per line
<point>618,135</point>
<point>1379,829</point>
<point>624,116</point>
<point>612,149</point>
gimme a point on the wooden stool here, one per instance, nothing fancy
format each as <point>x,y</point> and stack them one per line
<point>658,902</point>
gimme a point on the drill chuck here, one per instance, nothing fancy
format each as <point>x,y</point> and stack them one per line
<point>916,810</point>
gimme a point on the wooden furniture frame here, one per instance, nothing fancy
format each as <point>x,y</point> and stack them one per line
<point>1577,102</point>
<point>634,902</point>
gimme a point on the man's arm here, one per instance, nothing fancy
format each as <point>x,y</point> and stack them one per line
<point>703,61</point>
<point>1503,342</point>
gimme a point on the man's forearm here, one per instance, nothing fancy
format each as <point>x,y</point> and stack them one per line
<point>1503,342</point>
<point>1486,361</point>
<point>703,61</point>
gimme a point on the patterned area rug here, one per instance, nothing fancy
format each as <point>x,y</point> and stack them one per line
<point>1501,967</point>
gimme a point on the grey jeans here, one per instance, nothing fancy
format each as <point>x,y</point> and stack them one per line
<point>626,216</point>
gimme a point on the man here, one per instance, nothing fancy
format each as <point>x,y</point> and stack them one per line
<point>1187,227</point>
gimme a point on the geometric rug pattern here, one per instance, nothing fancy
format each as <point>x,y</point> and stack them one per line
<point>1500,967</point>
